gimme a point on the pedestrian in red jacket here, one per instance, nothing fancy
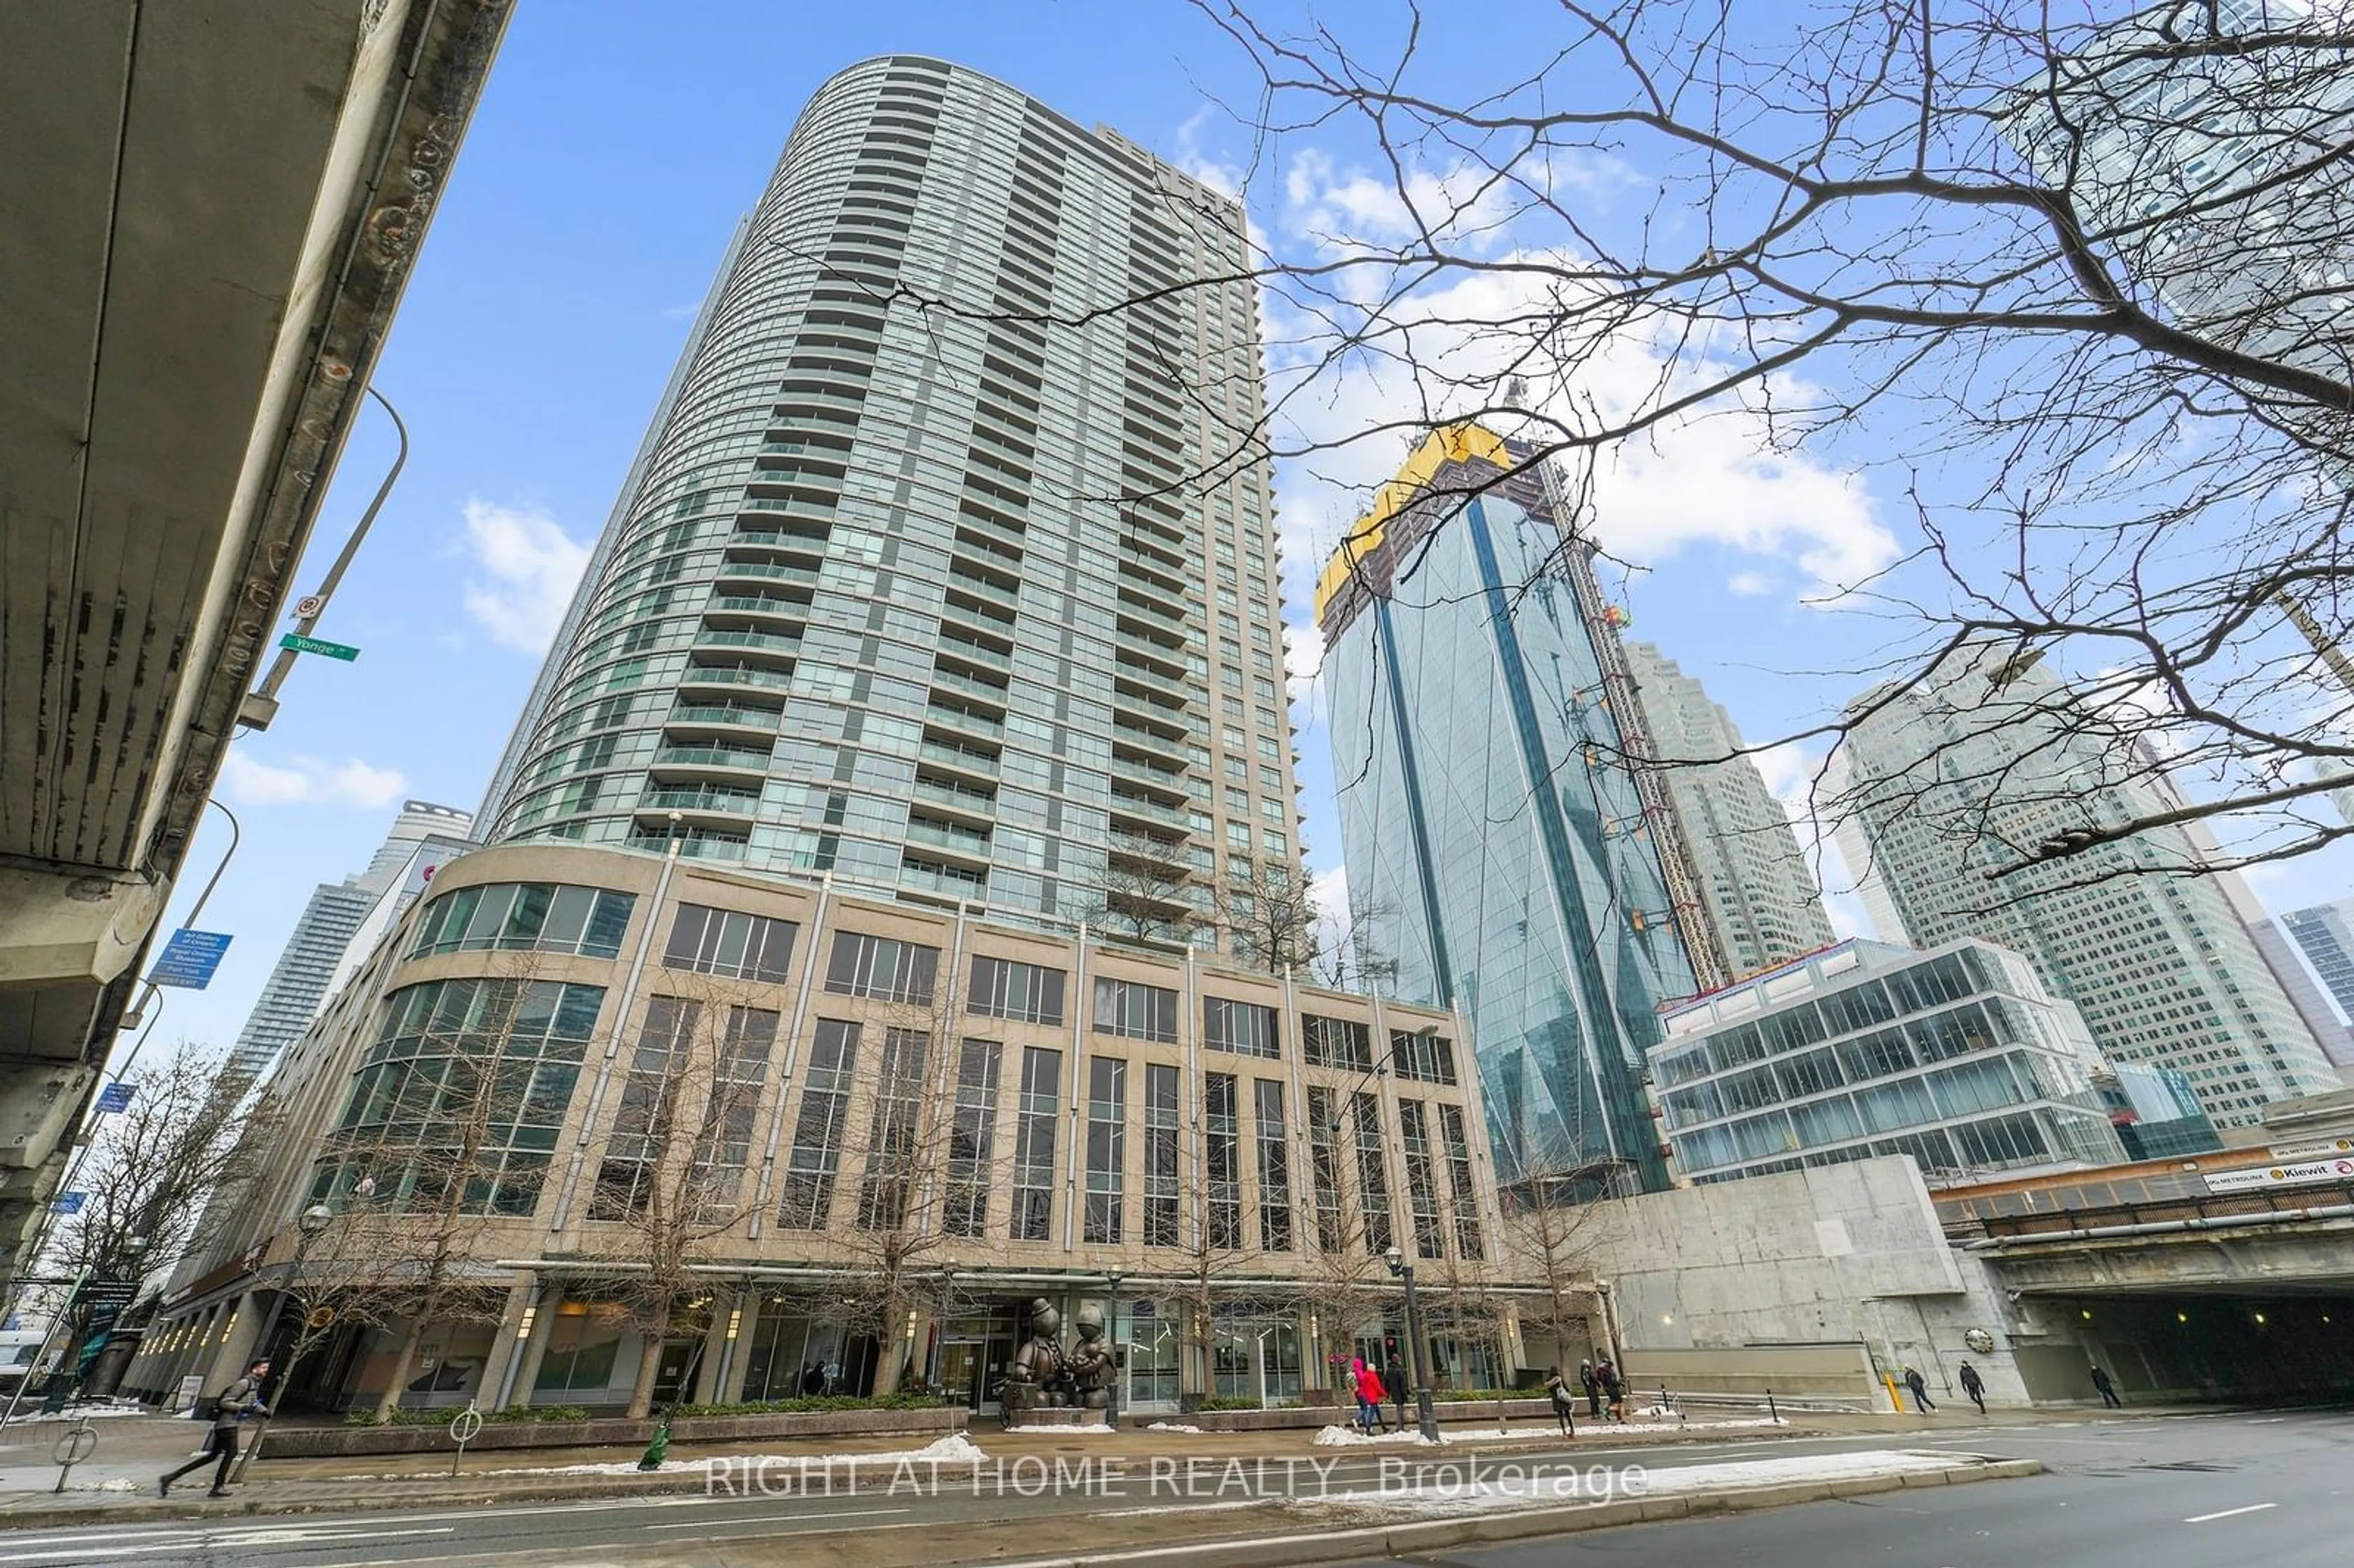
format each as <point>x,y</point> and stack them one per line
<point>1370,1395</point>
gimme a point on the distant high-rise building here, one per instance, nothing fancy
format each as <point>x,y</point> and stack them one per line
<point>2202,169</point>
<point>1497,841</point>
<point>318,952</point>
<point>2326,935</point>
<point>1756,893</point>
<point>2154,1113</point>
<point>1969,770</point>
<point>910,586</point>
<point>2279,956</point>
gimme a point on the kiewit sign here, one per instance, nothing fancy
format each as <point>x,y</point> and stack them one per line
<point>2297,1175</point>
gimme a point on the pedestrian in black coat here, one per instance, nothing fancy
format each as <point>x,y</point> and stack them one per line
<point>1920,1387</point>
<point>2105,1389</point>
<point>1564,1405</point>
<point>1974,1385</point>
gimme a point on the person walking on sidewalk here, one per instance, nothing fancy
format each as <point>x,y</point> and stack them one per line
<point>1393,1378</point>
<point>2105,1389</point>
<point>241,1398</point>
<point>1564,1407</point>
<point>1593,1387</point>
<point>1975,1386</point>
<point>1920,1387</point>
<point>1370,1395</point>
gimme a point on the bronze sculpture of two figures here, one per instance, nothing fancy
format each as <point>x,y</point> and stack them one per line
<point>1047,1375</point>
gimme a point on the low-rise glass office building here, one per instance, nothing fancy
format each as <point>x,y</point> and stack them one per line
<point>1957,1056</point>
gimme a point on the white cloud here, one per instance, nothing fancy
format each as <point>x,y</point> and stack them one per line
<point>1303,669</point>
<point>358,785</point>
<point>1226,179</point>
<point>1750,584</point>
<point>1353,209</point>
<point>251,783</point>
<point>529,567</point>
<point>1707,477</point>
<point>1330,891</point>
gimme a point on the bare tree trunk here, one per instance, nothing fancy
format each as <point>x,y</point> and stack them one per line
<point>389,1399</point>
<point>657,1327</point>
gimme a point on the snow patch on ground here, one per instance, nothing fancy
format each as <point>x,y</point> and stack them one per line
<point>1172,1426</point>
<point>1455,1490</point>
<point>67,1417</point>
<point>1347,1437</point>
<point>953,1449</point>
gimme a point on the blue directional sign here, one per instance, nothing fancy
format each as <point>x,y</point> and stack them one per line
<point>189,959</point>
<point>116,1097</point>
<point>69,1203</point>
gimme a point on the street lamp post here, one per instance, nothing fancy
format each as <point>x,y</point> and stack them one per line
<point>309,1227</point>
<point>1424,1409</point>
<point>1119,1366</point>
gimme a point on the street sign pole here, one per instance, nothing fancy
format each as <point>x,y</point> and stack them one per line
<point>64,1312</point>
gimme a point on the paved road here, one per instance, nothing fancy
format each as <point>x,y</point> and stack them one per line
<point>2192,1492</point>
<point>2170,1492</point>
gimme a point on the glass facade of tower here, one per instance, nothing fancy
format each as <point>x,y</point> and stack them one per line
<point>1496,850</point>
<point>2203,169</point>
<point>1752,879</point>
<point>912,590</point>
<point>1937,782</point>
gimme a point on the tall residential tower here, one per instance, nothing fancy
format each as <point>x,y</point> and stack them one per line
<point>1498,846</point>
<point>318,952</point>
<point>1967,770</point>
<point>933,572</point>
<point>1756,891</point>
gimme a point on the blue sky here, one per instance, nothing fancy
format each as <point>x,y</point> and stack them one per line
<point>617,145</point>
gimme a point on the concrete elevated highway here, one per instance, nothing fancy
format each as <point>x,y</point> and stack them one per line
<point>2246,1294</point>
<point>208,213</point>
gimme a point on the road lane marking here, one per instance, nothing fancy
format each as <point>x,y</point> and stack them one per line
<point>188,1539</point>
<point>2229,1513</point>
<point>779,1519</point>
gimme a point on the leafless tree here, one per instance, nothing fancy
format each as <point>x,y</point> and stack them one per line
<point>1348,956</point>
<point>422,1164</point>
<point>1347,1281</point>
<point>672,1182</point>
<point>151,1163</point>
<point>1466,1306</point>
<point>1142,893</point>
<point>923,1146</point>
<point>1270,915</point>
<point>2070,284</point>
<point>1549,1240</point>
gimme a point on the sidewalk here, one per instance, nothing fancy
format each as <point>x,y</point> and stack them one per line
<point>117,1484</point>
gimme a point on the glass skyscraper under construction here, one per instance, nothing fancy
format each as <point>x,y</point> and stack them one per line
<point>1499,848</point>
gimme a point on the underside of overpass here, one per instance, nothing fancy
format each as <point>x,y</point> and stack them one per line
<point>2253,1344</point>
<point>212,207</point>
<point>2249,1297</point>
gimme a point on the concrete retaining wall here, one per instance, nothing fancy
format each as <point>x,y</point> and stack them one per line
<point>341,1442</point>
<point>1833,1375</point>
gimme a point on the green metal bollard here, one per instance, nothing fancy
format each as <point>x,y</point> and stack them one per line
<point>659,1449</point>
